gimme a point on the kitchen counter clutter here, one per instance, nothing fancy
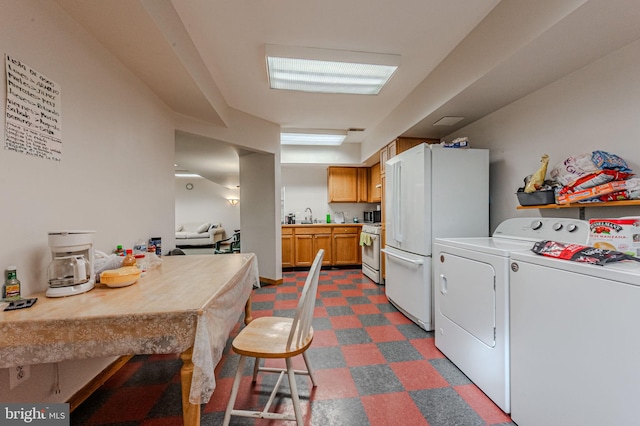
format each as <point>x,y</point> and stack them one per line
<point>341,243</point>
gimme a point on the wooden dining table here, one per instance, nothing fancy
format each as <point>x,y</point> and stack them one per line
<point>187,305</point>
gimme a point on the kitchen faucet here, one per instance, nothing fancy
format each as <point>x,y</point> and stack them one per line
<point>310,214</point>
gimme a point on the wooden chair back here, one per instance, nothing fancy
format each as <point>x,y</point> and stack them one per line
<point>301,327</point>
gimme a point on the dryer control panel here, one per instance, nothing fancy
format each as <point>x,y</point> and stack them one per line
<point>544,228</point>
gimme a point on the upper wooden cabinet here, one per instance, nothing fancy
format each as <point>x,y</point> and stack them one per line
<point>363,185</point>
<point>348,184</point>
<point>399,145</point>
<point>375,184</point>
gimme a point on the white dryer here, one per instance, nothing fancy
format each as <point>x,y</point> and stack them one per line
<point>575,346</point>
<point>471,297</point>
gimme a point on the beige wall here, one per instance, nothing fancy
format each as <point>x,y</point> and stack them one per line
<point>594,108</point>
<point>116,173</point>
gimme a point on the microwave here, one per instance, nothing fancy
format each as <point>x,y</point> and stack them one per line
<point>374,216</point>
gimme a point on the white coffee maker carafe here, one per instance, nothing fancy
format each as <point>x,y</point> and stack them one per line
<point>71,269</point>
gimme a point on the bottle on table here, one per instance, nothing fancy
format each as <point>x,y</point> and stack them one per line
<point>11,287</point>
<point>129,259</point>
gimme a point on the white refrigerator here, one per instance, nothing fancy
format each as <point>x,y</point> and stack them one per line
<point>430,192</point>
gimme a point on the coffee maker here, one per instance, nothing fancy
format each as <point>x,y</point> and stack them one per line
<point>71,269</point>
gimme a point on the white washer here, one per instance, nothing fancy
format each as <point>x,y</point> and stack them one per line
<point>575,342</point>
<point>471,295</point>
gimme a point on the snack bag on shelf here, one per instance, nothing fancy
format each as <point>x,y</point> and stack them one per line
<point>632,185</point>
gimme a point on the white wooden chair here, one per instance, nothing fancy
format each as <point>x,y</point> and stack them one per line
<point>278,337</point>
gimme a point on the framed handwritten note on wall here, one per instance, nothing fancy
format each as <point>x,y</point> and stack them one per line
<point>33,123</point>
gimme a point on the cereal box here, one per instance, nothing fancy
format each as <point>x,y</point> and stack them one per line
<point>622,234</point>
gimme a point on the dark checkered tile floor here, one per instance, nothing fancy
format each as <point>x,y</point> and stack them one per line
<point>373,367</point>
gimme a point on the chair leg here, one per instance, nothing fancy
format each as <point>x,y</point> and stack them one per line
<point>256,367</point>
<point>309,370</point>
<point>234,391</point>
<point>294,392</point>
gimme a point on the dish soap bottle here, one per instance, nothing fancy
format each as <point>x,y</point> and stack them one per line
<point>129,259</point>
<point>11,288</point>
<point>328,217</point>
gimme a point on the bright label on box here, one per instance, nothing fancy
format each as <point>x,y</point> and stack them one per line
<point>621,234</point>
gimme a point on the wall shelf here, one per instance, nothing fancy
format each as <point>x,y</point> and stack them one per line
<point>582,206</point>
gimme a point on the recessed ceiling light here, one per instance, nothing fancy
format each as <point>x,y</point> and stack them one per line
<point>312,137</point>
<point>328,71</point>
<point>448,121</point>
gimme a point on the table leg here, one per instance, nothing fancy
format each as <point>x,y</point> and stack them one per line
<point>247,311</point>
<point>190,412</point>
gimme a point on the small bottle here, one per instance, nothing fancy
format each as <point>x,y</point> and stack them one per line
<point>129,259</point>
<point>119,251</point>
<point>141,263</point>
<point>139,246</point>
<point>328,217</point>
<point>11,288</point>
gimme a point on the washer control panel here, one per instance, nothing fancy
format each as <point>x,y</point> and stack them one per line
<point>544,228</point>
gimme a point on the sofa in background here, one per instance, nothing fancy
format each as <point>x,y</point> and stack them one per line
<point>199,234</point>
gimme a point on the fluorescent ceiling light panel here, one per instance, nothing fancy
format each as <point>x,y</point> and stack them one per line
<point>191,175</point>
<point>319,137</point>
<point>448,121</point>
<point>329,71</point>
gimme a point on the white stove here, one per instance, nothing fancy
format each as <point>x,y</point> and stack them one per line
<point>370,242</point>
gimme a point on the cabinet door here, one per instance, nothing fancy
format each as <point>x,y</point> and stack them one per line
<point>342,184</point>
<point>375,185</point>
<point>303,249</point>
<point>363,185</point>
<point>323,241</point>
<point>346,250</point>
<point>384,156</point>
<point>288,260</point>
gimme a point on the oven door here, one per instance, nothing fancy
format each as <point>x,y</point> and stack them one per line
<point>371,253</point>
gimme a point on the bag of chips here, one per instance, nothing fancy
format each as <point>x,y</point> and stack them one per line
<point>579,253</point>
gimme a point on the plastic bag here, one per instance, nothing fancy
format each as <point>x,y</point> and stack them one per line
<point>573,168</point>
<point>605,161</point>
<point>579,253</point>
<point>103,262</point>
<point>153,260</point>
<point>579,169</point>
<point>537,180</point>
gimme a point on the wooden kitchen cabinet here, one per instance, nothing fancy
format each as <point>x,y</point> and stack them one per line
<point>348,184</point>
<point>307,242</point>
<point>375,184</point>
<point>399,145</point>
<point>362,195</point>
<point>342,184</point>
<point>288,260</point>
<point>341,244</point>
<point>346,246</point>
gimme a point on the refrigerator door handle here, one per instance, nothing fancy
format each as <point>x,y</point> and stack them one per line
<point>397,202</point>
<point>406,259</point>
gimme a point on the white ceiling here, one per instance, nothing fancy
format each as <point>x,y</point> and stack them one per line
<point>458,57</point>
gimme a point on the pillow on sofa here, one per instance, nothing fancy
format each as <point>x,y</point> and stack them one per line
<point>203,228</point>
